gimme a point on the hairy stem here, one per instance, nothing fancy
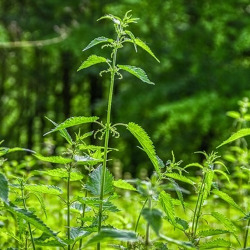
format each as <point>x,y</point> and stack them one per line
<point>106,142</point>
<point>68,205</point>
<point>246,235</point>
<point>148,229</point>
<point>25,207</point>
<point>83,214</point>
<point>198,206</point>
<point>139,217</point>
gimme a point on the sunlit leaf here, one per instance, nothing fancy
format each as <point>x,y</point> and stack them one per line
<point>123,185</point>
<point>239,134</point>
<point>180,178</point>
<point>228,199</point>
<point>138,72</point>
<point>186,245</point>
<point>218,243</point>
<point>98,40</point>
<point>63,173</point>
<point>211,232</point>
<point>92,60</point>
<point>73,121</point>
<point>53,159</point>
<point>45,189</point>
<point>143,138</point>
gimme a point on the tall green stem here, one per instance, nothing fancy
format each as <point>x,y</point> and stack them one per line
<point>137,222</point>
<point>83,214</point>
<point>106,142</point>
<point>148,229</point>
<point>198,206</point>
<point>68,206</point>
<point>25,207</point>
<point>246,235</point>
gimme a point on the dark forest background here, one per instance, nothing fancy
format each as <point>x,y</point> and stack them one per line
<point>203,46</point>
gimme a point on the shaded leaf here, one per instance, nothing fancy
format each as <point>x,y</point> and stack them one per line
<point>113,234</point>
<point>153,217</point>
<point>92,60</point>
<point>94,182</point>
<point>4,188</point>
<point>182,223</point>
<point>123,185</point>
<point>138,72</point>
<point>186,245</point>
<point>98,40</point>
<point>77,233</point>
<point>239,134</point>
<point>73,121</point>
<point>143,138</point>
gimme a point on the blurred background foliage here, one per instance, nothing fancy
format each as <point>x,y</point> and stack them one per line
<point>203,46</point>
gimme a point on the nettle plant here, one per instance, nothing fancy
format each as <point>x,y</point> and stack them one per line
<point>97,192</point>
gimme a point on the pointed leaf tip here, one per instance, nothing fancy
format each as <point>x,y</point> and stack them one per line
<point>239,134</point>
<point>138,72</point>
<point>96,41</point>
<point>92,60</point>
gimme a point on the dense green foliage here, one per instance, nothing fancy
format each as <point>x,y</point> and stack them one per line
<point>204,70</point>
<point>70,193</point>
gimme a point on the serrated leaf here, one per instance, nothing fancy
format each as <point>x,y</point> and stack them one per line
<point>86,160</point>
<point>123,185</point>
<point>218,243</point>
<point>73,121</point>
<point>64,133</point>
<point>113,234</point>
<point>4,150</point>
<point>167,205</point>
<point>233,114</point>
<point>98,40</point>
<point>222,173</point>
<point>186,245</point>
<point>239,134</point>
<point>211,232</point>
<point>92,60</point>
<point>143,138</point>
<point>208,184</point>
<point>33,220</point>
<point>138,72</point>
<point>182,223</point>
<point>94,182</point>
<point>180,178</point>
<point>115,19</point>
<point>144,46</point>
<point>63,173</point>
<point>225,221</point>
<point>47,240</point>
<point>4,189</point>
<point>77,233</point>
<point>195,164</point>
<point>44,189</point>
<point>178,191</point>
<point>228,199</point>
<point>153,217</point>
<point>53,159</point>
